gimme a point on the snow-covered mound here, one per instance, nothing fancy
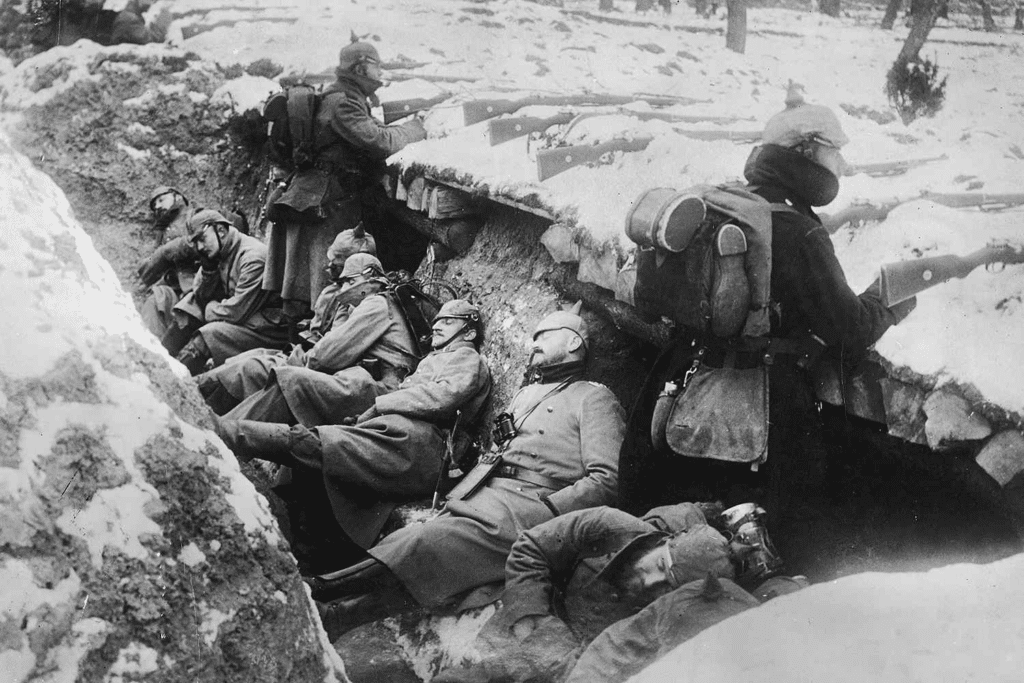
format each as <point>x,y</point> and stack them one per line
<point>950,625</point>
<point>131,546</point>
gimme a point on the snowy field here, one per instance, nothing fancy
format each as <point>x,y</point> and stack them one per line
<point>965,332</point>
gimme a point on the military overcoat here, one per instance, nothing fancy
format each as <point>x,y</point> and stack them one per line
<point>396,456</point>
<point>571,435</point>
<point>350,146</point>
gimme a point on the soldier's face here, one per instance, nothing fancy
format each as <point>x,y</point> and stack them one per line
<point>551,347</point>
<point>650,573</point>
<point>207,242</point>
<point>444,330</point>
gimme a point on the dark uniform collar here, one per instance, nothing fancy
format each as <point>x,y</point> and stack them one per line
<point>559,372</point>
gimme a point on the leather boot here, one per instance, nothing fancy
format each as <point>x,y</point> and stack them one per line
<point>194,355</point>
<point>362,577</point>
<point>217,397</point>
<point>264,440</point>
<point>341,616</point>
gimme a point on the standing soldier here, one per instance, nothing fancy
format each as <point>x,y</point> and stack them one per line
<point>349,149</point>
<point>798,165</point>
<point>227,312</point>
<point>556,453</point>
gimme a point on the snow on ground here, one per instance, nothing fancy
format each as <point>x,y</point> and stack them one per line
<point>512,48</point>
<point>957,624</point>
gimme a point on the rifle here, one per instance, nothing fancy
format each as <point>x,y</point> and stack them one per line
<point>551,162</point>
<point>555,160</point>
<point>902,280</point>
<point>476,111</point>
<point>503,130</point>
<point>888,168</point>
<point>398,109</point>
<point>957,200</point>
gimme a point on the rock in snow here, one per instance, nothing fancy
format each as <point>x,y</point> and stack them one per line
<point>131,546</point>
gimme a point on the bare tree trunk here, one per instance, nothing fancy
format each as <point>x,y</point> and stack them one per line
<point>1018,19</point>
<point>830,7</point>
<point>644,5</point>
<point>700,7</point>
<point>736,26</point>
<point>986,15</point>
<point>923,23</point>
<point>606,5</point>
<point>891,11</point>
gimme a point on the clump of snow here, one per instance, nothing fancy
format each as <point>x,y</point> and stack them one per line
<point>958,623</point>
<point>133,662</point>
<point>245,92</point>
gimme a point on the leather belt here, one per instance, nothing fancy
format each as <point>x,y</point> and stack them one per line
<point>530,477</point>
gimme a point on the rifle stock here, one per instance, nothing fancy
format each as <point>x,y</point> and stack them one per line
<point>503,130</point>
<point>397,109</point>
<point>476,111</point>
<point>902,280</point>
<point>551,162</point>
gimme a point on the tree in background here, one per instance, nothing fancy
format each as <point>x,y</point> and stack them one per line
<point>736,25</point>
<point>912,84</point>
<point>830,7</point>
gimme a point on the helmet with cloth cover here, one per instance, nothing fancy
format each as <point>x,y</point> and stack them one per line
<point>565,320</point>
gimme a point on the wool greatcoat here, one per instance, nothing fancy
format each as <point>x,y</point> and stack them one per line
<point>235,313</point>
<point>572,436</point>
<point>552,573</point>
<point>350,147</point>
<point>397,455</point>
<point>249,372</point>
<point>325,384</point>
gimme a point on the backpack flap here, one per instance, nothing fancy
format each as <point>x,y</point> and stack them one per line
<point>722,414</point>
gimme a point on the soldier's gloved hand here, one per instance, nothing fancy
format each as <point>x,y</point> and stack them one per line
<point>903,309</point>
<point>368,414</point>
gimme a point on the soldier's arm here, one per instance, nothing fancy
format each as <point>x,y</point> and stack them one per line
<point>435,398</point>
<point>205,288</point>
<point>546,555</point>
<point>247,297</point>
<point>839,316</point>
<point>353,124</point>
<point>344,345</point>
<point>177,252</point>
<point>602,427</point>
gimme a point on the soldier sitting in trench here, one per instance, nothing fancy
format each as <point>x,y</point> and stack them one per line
<point>227,311</point>
<point>226,386</point>
<point>366,356</point>
<point>556,452</point>
<point>396,449</point>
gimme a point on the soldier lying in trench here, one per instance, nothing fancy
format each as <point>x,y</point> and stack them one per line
<point>618,589</point>
<point>226,386</point>
<point>396,449</point>
<point>557,452</point>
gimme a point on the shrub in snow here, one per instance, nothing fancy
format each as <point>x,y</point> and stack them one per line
<point>915,89</point>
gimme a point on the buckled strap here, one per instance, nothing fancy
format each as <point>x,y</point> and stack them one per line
<point>521,474</point>
<point>750,352</point>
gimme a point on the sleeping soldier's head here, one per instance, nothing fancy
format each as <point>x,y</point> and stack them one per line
<point>653,564</point>
<point>458,320</point>
<point>165,203</point>
<point>561,337</point>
